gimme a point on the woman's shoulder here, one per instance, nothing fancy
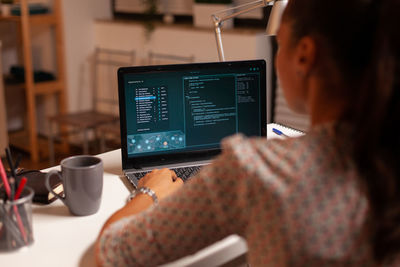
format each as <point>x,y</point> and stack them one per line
<point>259,157</point>
<point>286,158</point>
<point>250,146</point>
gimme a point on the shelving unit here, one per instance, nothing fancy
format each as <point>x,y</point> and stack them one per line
<point>28,138</point>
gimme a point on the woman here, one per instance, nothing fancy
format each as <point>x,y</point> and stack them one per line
<point>330,197</point>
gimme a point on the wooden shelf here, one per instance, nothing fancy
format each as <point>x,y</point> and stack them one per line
<point>37,19</point>
<point>28,139</point>
<point>49,87</point>
<point>41,88</point>
<point>189,27</point>
<point>10,18</point>
<point>14,86</point>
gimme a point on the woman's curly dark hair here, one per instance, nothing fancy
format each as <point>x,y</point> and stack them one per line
<point>363,40</point>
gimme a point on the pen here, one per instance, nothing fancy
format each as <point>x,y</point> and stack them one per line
<point>17,170</point>
<point>5,180</point>
<point>10,226</point>
<point>17,161</point>
<point>20,188</point>
<point>17,209</point>
<point>278,132</point>
<point>10,198</point>
<point>20,224</point>
<point>10,162</point>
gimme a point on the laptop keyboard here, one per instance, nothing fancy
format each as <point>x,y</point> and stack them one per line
<point>184,173</point>
<point>187,172</point>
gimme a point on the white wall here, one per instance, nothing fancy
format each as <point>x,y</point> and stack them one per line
<point>79,21</point>
<point>238,44</point>
<point>180,40</point>
<point>83,32</point>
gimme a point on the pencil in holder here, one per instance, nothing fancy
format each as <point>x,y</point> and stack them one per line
<point>16,221</point>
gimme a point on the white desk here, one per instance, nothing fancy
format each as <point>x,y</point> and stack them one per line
<point>62,239</point>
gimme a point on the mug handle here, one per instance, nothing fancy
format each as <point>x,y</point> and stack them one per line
<point>47,184</point>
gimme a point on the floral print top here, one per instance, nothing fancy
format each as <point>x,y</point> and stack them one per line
<point>297,202</point>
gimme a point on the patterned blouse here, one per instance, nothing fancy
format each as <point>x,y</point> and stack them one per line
<point>297,202</point>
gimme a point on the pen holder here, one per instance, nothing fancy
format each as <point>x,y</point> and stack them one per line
<point>16,222</point>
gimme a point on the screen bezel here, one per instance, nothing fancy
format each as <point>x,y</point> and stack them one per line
<point>171,158</point>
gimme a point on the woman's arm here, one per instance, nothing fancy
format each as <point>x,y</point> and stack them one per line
<point>163,182</point>
<point>209,207</point>
<point>136,205</point>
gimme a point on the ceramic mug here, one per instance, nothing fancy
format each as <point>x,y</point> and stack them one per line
<point>82,179</point>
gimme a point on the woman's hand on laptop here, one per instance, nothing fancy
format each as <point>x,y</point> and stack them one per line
<point>163,182</point>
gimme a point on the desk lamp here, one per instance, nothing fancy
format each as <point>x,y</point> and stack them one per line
<point>273,22</point>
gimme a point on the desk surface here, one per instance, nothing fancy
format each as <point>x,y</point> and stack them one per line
<point>62,239</point>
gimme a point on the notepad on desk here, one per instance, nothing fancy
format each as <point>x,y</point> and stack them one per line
<point>36,181</point>
<point>276,130</point>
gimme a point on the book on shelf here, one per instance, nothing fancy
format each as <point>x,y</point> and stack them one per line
<point>33,8</point>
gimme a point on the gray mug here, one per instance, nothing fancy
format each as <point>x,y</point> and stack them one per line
<point>82,179</point>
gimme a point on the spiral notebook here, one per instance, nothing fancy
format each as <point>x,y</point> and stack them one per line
<point>286,131</point>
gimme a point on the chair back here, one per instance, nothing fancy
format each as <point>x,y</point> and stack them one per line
<point>105,83</point>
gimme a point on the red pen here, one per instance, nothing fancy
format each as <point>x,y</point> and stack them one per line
<point>20,188</point>
<point>20,224</point>
<point>17,215</point>
<point>8,191</point>
<point>4,178</point>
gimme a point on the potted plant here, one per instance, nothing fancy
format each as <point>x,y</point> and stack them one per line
<point>6,7</point>
<point>203,9</point>
<point>151,9</point>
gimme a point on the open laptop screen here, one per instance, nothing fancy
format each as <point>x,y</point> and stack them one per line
<point>172,110</point>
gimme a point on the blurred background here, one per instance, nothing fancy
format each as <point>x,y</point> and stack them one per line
<point>59,58</point>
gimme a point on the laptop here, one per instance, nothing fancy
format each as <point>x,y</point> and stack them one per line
<point>175,116</point>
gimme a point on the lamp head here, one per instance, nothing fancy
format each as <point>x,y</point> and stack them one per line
<point>275,16</point>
